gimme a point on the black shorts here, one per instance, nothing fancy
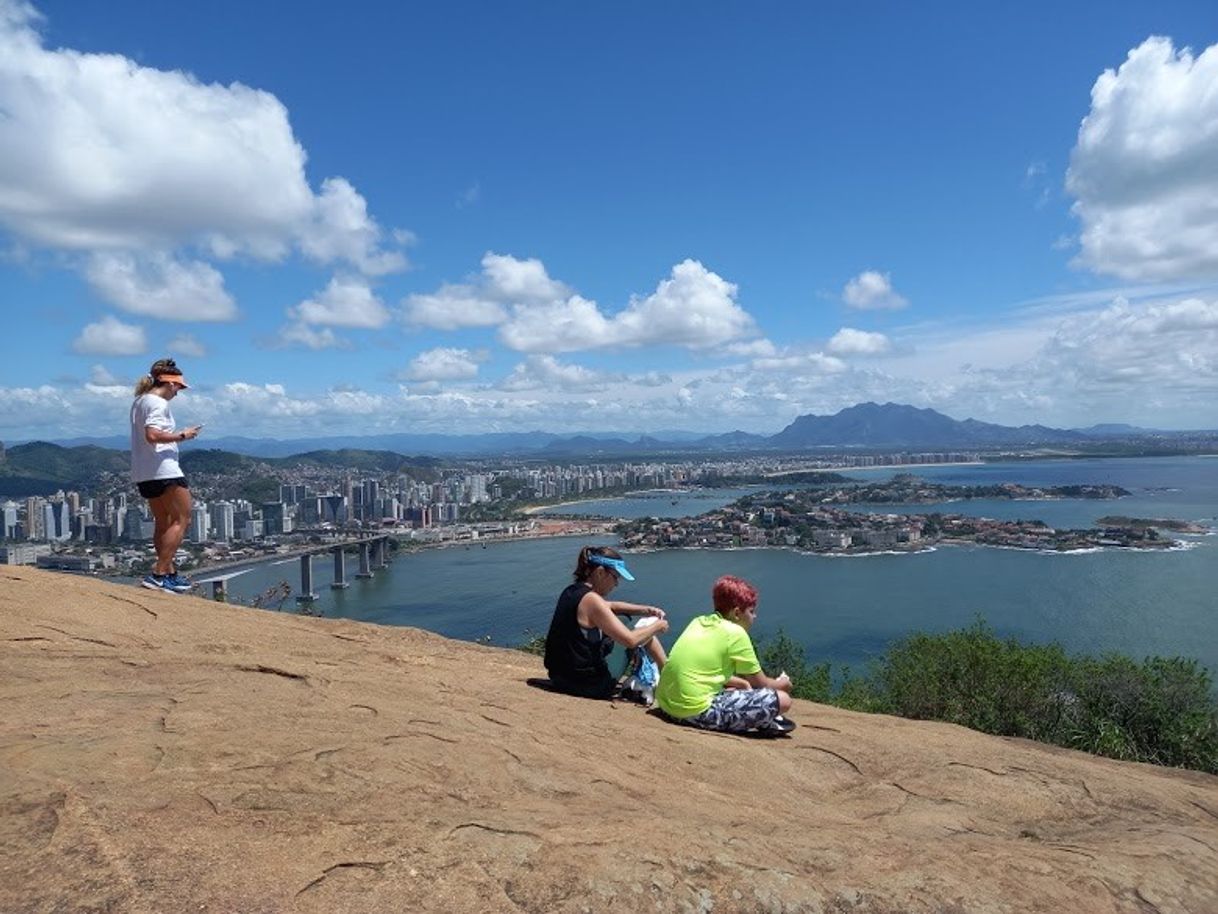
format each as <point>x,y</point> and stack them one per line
<point>592,687</point>
<point>155,488</point>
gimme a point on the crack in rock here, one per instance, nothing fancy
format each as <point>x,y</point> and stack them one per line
<point>836,755</point>
<point>997,774</point>
<point>375,865</point>
<point>443,739</point>
<point>133,603</point>
<point>274,671</point>
<point>493,830</point>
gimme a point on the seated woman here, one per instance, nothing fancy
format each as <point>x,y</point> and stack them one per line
<point>586,626</point>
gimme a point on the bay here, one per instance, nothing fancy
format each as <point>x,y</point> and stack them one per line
<point>846,610</point>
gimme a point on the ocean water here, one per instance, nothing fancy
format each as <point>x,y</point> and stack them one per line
<point>846,610</point>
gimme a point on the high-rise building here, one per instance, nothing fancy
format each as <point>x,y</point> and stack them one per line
<point>8,520</point>
<point>475,485</point>
<point>333,509</point>
<point>293,494</point>
<point>57,521</point>
<point>198,522</point>
<point>79,522</point>
<point>274,516</point>
<point>222,524</point>
<point>35,519</point>
<point>133,523</point>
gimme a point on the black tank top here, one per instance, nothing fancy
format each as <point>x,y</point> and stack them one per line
<point>576,654</point>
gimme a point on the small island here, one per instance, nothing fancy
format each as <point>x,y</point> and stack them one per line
<point>811,520</point>
<point>1159,523</point>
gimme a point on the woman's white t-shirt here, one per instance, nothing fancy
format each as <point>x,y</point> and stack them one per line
<point>152,461</point>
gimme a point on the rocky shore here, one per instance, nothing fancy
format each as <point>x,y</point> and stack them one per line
<point>167,754</point>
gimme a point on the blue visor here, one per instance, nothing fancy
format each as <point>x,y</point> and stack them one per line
<point>616,564</point>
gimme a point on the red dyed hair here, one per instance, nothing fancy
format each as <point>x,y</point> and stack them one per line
<point>731,592</point>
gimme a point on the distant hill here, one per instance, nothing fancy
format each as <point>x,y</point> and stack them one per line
<point>42,468</point>
<point>893,425</point>
<point>867,425</point>
<point>424,468</point>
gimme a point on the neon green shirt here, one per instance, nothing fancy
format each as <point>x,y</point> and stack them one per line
<point>709,651</point>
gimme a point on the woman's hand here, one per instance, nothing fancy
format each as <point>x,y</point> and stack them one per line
<point>654,611</point>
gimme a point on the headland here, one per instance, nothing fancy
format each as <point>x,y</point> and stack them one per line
<point>164,753</point>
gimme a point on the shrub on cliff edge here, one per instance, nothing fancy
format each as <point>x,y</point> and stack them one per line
<point>1162,710</point>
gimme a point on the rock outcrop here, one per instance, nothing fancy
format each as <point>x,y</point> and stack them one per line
<point>168,754</point>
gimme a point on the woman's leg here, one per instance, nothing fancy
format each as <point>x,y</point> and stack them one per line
<point>160,522</point>
<point>171,514</point>
<point>655,650</point>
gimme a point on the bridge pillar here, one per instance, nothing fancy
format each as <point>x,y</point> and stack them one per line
<point>381,553</point>
<point>340,569</point>
<point>365,564</point>
<point>306,594</point>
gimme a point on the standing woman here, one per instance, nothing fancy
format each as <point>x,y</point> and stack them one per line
<point>155,470</point>
<point>586,626</point>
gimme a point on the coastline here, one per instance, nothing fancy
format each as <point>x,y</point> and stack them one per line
<point>879,466</point>
<point>541,509</point>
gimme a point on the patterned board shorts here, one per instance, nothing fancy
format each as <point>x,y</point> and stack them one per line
<point>737,710</point>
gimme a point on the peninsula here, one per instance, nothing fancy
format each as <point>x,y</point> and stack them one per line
<point>812,520</point>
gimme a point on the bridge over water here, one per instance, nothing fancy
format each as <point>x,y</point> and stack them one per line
<point>373,554</point>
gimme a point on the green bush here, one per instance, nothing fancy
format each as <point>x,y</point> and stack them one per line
<point>533,644</point>
<point>1161,710</point>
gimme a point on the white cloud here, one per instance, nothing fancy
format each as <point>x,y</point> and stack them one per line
<point>872,291</point>
<point>751,349</point>
<point>102,154</point>
<point>299,334</point>
<point>544,372</point>
<point>469,196</point>
<point>801,364</point>
<point>453,307</point>
<point>694,308</point>
<point>484,300</point>
<point>444,364</point>
<point>347,301</point>
<point>100,376</point>
<point>110,336</point>
<point>341,229</point>
<point>515,281</point>
<point>561,326</point>
<point>849,341</point>
<point>156,285</point>
<point>186,345</point>
<point>1142,170</point>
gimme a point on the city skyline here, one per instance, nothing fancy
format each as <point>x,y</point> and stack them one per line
<point>620,219</point>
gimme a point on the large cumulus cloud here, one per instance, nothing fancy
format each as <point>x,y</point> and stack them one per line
<point>1143,170</point>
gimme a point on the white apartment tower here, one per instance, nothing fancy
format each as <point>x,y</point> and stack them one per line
<point>222,521</point>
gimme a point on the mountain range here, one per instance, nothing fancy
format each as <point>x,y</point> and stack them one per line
<point>864,426</point>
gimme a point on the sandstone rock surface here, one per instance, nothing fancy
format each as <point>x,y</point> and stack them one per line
<point>168,754</point>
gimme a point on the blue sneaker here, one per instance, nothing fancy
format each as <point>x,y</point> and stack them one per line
<point>155,581</point>
<point>177,583</point>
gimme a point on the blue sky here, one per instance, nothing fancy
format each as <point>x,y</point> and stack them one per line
<point>607,217</point>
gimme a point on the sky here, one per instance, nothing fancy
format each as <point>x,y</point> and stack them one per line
<point>628,217</point>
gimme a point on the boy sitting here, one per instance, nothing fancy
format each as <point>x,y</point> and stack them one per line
<point>712,678</point>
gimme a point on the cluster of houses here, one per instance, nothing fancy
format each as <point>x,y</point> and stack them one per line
<point>802,520</point>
